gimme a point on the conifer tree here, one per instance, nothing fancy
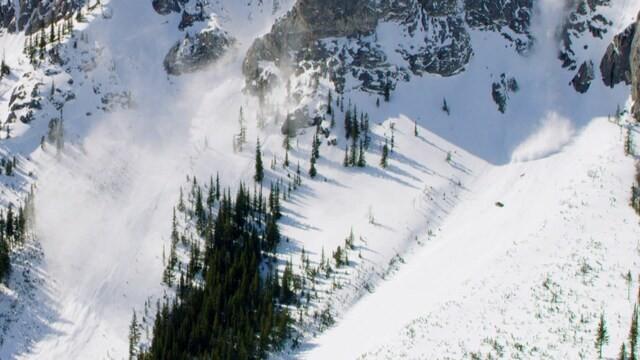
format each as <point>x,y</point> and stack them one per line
<point>259,175</point>
<point>286,158</point>
<point>362,162</point>
<point>345,162</point>
<point>445,107</point>
<point>52,34</point>
<point>347,123</point>
<point>312,170</point>
<point>633,335</point>
<point>315,147</point>
<point>602,336</point>
<point>134,336</point>
<point>415,128</point>
<point>353,158</point>
<point>622,355</point>
<point>385,155</point>
<point>387,91</point>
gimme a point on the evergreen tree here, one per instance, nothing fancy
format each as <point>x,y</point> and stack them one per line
<point>345,162</point>
<point>445,107</point>
<point>628,142</point>
<point>385,155</point>
<point>259,175</point>
<point>52,34</point>
<point>315,147</point>
<point>602,337</point>
<point>387,91</point>
<point>633,335</point>
<point>134,337</point>
<point>347,123</point>
<point>353,158</point>
<point>415,128</point>
<point>362,162</point>
<point>312,169</point>
<point>622,355</point>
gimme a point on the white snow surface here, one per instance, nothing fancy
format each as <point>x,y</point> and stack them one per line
<point>470,272</point>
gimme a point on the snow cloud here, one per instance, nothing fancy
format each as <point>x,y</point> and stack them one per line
<point>554,132</point>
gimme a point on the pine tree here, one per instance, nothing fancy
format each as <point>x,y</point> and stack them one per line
<point>387,91</point>
<point>622,355</point>
<point>345,162</point>
<point>385,155</point>
<point>286,158</point>
<point>52,34</point>
<point>633,335</point>
<point>445,107</point>
<point>602,337</point>
<point>628,142</point>
<point>347,123</point>
<point>415,128</point>
<point>259,175</point>
<point>134,336</point>
<point>353,157</point>
<point>312,170</point>
<point>315,147</point>
<point>362,162</point>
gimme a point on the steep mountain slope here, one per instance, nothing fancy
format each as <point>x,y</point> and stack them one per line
<point>529,280</point>
<point>133,133</point>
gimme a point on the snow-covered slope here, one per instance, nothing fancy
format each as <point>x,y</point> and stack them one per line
<point>529,280</point>
<point>437,267</point>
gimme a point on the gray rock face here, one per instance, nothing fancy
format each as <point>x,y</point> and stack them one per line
<point>308,22</point>
<point>584,19</point>
<point>32,15</point>
<point>338,39</point>
<point>512,18</point>
<point>194,53</point>
<point>635,71</point>
<point>306,33</point>
<point>616,63</point>
<point>447,44</point>
<point>585,75</point>
<point>166,7</point>
<point>621,63</point>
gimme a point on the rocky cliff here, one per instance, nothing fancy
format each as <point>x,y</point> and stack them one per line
<point>32,15</point>
<point>621,63</point>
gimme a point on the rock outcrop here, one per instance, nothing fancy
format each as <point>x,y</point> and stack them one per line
<point>621,63</point>
<point>616,63</point>
<point>196,52</point>
<point>32,15</point>
<point>584,19</point>
<point>340,40</point>
<point>511,18</point>
<point>581,82</point>
<point>635,71</point>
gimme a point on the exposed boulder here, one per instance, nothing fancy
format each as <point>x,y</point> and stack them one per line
<point>583,78</point>
<point>194,53</point>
